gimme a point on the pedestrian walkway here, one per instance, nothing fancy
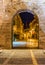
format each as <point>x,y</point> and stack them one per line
<point>22,57</point>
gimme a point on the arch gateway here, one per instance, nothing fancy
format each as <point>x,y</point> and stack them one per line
<point>25,29</point>
<point>8,36</point>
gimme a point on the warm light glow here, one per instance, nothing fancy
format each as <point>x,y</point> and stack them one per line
<point>25,36</point>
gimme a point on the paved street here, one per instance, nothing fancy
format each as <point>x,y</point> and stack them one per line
<point>22,57</point>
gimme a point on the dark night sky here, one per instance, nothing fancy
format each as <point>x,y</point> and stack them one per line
<point>26,18</point>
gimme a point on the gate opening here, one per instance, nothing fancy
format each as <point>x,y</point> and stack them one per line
<point>25,30</point>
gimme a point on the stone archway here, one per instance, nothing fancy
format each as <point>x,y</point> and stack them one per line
<point>24,41</point>
<point>10,10</point>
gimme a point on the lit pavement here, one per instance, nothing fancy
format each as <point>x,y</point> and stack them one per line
<point>22,57</point>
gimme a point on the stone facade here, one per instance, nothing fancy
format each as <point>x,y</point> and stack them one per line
<point>9,9</point>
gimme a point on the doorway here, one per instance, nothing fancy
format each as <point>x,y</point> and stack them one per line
<point>25,30</point>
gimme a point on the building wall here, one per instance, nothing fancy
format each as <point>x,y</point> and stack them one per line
<point>9,8</point>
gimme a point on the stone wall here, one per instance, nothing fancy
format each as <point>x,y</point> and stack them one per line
<point>12,7</point>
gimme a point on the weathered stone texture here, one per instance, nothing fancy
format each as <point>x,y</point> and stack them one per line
<point>10,9</point>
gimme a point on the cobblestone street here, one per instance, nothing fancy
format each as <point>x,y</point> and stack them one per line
<point>22,57</point>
